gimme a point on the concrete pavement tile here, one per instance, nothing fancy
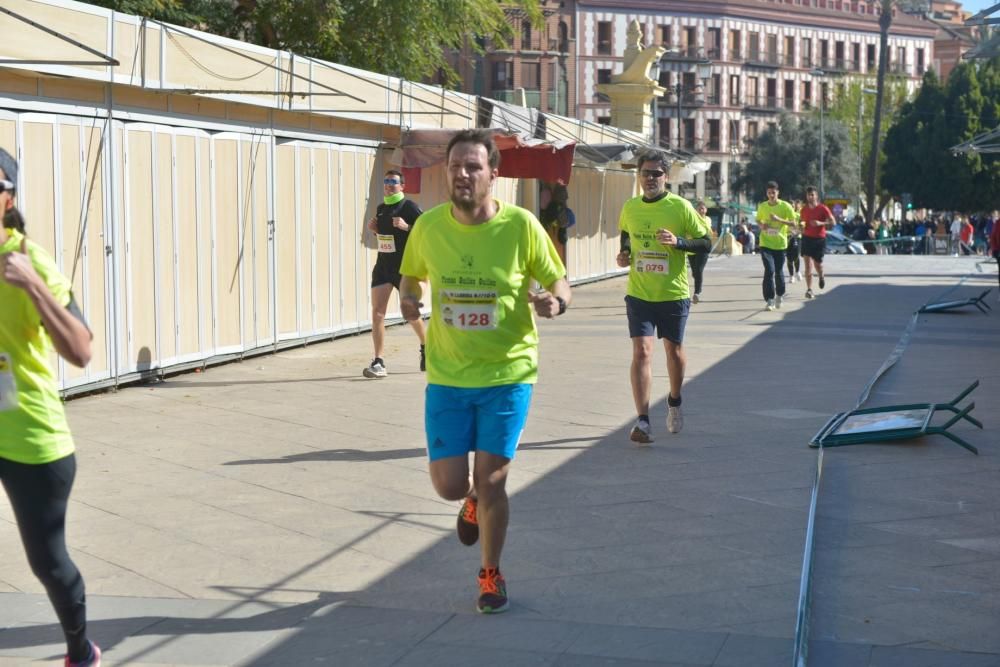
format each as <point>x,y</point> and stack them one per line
<point>600,661</point>
<point>891,656</point>
<point>507,631</point>
<point>649,644</point>
<point>746,651</point>
<point>838,654</point>
<point>445,655</point>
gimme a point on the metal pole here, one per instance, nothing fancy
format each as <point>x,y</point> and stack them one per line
<point>822,144</point>
<point>861,113</point>
<point>678,88</point>
<point>885,20</point>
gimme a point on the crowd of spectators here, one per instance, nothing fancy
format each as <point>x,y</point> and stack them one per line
<point>939,233</point>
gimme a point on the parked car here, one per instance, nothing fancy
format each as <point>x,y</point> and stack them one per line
<point>838,244</point>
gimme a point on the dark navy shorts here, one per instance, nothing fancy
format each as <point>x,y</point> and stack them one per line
<point>385,273</point>
<point>666,319</point>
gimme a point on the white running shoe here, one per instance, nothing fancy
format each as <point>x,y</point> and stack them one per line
<point>770,304</point>
<point>675,419</point>
<point>641,433</point>
<point>809,294</point>
<point>376,369</point>
<point>798,276</point>
<point>777,301</point>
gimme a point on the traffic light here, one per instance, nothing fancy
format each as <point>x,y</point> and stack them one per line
<point>907,201</point>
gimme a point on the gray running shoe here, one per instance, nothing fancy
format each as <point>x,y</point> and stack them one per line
<point>777,301</point>
<point>641,433</point>
<point>770,304</point>
<point>376,369</point>
<point>809,294</point>
<point>675,419</point>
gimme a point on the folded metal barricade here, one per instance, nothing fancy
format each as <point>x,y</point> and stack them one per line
<point>895,422</point>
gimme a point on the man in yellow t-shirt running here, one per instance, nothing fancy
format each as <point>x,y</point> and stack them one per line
<point>774,216</point>
<point>658,230</point>
<point>480,256</point>
<point>37,464</point>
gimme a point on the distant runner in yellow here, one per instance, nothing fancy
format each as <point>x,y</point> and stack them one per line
<point>774,217</point>
<point>480,256</point>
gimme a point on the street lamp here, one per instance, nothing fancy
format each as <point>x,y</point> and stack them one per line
<point>861,113</point>
<point>822,140</point>
<point>704,71</point>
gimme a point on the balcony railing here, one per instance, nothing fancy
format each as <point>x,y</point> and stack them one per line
<point>713,99</point>
<point>759,58</point>
<point>694,98</point>
<point>735,55</point>
<point>761,103</point>
<point>836,65</point>
<point>684,54</point>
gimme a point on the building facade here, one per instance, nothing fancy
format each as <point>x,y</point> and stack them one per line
<point>759,58</point>
<point>539,60</point>
<point>953,37</point>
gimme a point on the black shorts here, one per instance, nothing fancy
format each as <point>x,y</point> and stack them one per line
<point>813,248</point>
<point>385,273</point>
<point>665,318</point>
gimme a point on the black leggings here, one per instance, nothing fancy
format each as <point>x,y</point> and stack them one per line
<point>39,495</point>
<point>792,255</point>
<point>698,262</point>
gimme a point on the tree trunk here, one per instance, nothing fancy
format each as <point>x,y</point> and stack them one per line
<point>885,20</point>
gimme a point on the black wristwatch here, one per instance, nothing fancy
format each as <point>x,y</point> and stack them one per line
<point>562,305</point>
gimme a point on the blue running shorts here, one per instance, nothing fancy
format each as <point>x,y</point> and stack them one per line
<point>460,420</point>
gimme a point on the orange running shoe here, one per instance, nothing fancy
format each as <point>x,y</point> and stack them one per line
<point>492,592</point>
<point>467,526</point>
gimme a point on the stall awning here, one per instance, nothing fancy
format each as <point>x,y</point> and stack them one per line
<point>520,156</point>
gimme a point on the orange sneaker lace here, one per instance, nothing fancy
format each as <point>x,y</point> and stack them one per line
<point>469,511</point>
<point>491,582</point>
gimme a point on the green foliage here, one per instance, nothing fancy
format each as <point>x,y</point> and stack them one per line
<point>399,37</point>
<point>919,144</point>
<point>789,154</point>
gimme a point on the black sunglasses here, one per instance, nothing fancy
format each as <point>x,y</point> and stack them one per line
<point>652,173</point>
<point>6,186</point>
<point>391,181</point>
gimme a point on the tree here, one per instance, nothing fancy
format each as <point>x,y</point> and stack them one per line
<point>398,37</point>
<point>918,146</point>
<point>789,154</point>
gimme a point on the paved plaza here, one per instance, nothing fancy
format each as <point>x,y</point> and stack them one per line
<point>278,511</point>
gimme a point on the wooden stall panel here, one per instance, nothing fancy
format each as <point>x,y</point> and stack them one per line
<point>284,240</point>
<point>36,196</point>
<point>188,222</point>
<point>323,222</point>
<point>257,263</point>
<point>167,280</point>
<point>356,271</point>
<point>69,205</point>
<point>8,134</point>
<point>304,222</point>
<point>94,295</point>
<point>206,292</point>
<point>140,302</point>
<point>226,173</point>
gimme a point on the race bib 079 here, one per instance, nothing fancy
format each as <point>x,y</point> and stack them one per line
<point>653,261</point>
<point>8,388</point>
<point>469,310</point>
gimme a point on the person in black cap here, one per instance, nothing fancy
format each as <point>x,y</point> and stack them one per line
<point>37,464</point>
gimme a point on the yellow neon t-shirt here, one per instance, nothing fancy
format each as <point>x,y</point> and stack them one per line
<point>482,328</point>
<point>659,272</point>
<point>774,239</point>
<point>33,426</point>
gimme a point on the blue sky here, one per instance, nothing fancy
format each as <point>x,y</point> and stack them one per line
<point>977,5</point>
